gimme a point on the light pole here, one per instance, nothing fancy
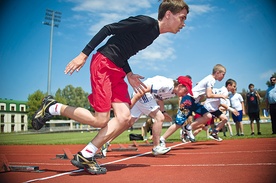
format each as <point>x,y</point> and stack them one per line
<point>52,18</point>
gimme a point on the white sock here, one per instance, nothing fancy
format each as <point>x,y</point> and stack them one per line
<point>89,151</point>
<point>162,139</point>
<point>55,109</point>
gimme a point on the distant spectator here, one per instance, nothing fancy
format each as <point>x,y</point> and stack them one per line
<point>270,98</point>
<point>237,103</point>
<point>252,103</point>
<point>147,127</point>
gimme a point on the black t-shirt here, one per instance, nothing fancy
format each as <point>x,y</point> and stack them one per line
<point>252,102</point>
<point>128,37</point>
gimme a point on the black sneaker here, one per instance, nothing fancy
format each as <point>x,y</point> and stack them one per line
<point>252,133</point>
<point>214,136</point>
<point>259,133</point>
<point>42,114</point>
<point>90,165</point>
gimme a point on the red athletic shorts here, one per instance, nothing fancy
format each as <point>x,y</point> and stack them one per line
<point>209,122</point>
<point>107,83</point>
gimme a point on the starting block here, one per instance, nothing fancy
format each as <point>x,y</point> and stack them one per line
<point>147,143</point>
<point>123,148</point>
<point>66,155</point>
<point>6,167</point>
<point>4,163</point>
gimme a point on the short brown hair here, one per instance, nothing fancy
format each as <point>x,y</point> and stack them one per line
<point>230,82</point>
<point>175,6</point>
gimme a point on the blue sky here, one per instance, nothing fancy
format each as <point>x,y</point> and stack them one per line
<point>239,34</point>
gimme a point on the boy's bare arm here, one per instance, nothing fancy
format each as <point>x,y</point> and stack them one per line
<point>210,94</point>
<point>243,108</point>
<point>234,111</point>
<point>138,95</point>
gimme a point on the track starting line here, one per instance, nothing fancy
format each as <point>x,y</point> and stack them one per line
<point>6,167</point>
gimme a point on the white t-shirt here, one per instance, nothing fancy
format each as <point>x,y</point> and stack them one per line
<point>161,87</point>
<point>212,104</point>
<point>236,101</point>
<point>201,87</point>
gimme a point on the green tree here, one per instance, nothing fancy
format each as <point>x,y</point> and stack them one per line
<point>74,96</point>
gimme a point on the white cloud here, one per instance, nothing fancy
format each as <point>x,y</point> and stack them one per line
<point>267,74</point>
<point>197,10</point>
<point>157,56</point>
<point>119,6</point>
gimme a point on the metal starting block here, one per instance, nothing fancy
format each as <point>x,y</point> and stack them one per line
<point>67,154</point>
<point>147,143</point>
<point>6,167</point>
<point>123,148</point>
<point>17,168</point>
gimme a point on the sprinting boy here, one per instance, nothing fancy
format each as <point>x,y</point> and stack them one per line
<point>204,89</point>
<point>213,104</point>
<point>108,69</point>
<point>158,89</point>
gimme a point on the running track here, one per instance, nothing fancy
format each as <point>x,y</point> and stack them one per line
<point>229,161</point>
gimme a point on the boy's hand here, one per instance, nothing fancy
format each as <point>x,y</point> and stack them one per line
<point>235,112</point>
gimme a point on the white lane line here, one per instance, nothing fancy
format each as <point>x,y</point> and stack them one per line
<point>80,170</point>
<point>218,165</point>
<point>143,154</point>
<point>58,175</point>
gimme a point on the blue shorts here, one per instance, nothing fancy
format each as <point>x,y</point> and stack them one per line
<point>237,118</point>
<point>187,106</point>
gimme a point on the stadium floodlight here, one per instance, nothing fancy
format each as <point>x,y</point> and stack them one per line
<point>52,18</point>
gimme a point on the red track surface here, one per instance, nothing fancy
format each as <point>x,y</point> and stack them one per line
<point>233,161</point>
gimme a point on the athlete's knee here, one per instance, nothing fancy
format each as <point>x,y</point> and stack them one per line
<point>207,116</point>
<point>101,120</point>
<point>159,117</point>
<point>124,119</point>
<point>224,120</point>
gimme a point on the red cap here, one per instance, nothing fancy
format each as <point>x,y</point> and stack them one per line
<point>186,82</point>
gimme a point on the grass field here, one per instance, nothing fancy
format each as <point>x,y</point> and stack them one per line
<point>84,137</point>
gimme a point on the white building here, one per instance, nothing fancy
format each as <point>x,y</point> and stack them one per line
<point>13,116</point>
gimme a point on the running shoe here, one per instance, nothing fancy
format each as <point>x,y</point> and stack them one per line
<point>189,135</point>
<point>183,140</point>
<point>90,165</point>
<point>185,137</point>
<point>104,149</point>
<point>158,150</point>
<point>42,114</point>
<point>162,143</point>
<point>214,136</point>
